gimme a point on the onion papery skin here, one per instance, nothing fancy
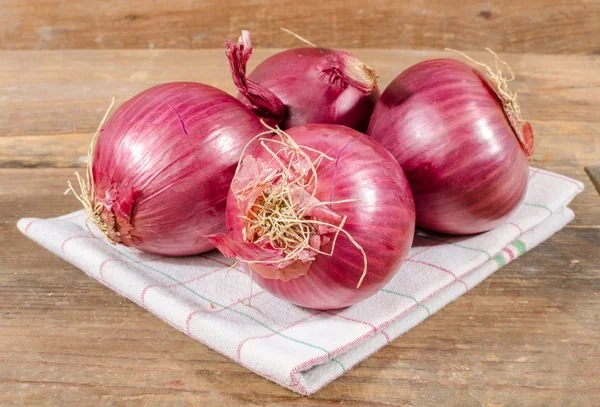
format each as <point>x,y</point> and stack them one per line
<point>444,123</point>
<point>163,164</point>
<point>315,85</point>
<point>382,221</point>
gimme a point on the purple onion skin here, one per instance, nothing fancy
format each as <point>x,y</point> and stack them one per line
<point>447,128</point>
<point>175,147</point>
<point>382,221</point>
<point>309,94</point>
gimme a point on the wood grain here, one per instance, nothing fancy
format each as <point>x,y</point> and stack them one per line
<point>43,127</point>
<point>535,26</point>
<point>527,336</point>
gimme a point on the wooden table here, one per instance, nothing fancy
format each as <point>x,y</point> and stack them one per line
<point>527,336</point>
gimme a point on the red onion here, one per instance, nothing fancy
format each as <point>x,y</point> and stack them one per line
<point>306,85</point>
<point>162,167</point>
<point>461,142</point>
<point>322,216</point>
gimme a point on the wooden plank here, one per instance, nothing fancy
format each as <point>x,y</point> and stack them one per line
<point>51,101</point>
<point>555,141</point>
<point>529,335</point>
<point>535,26</point>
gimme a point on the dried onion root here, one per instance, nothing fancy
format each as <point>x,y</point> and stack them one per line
<point>276,216</point>
<point>86,196</point>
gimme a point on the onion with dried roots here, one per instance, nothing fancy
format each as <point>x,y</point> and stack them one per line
<point>322,216</point>
<point>461,141</point>
<point>305,85</point>
<point>159,171</point>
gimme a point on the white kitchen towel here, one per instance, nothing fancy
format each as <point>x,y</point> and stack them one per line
<point>299,348</point>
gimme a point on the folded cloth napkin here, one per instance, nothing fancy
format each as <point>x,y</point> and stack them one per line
<point>298,348</point>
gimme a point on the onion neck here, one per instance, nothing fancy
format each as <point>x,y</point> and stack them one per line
<point>523,130</point>
<point>263,102</point>
<point>499,84</point>
<point>343,69</point>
